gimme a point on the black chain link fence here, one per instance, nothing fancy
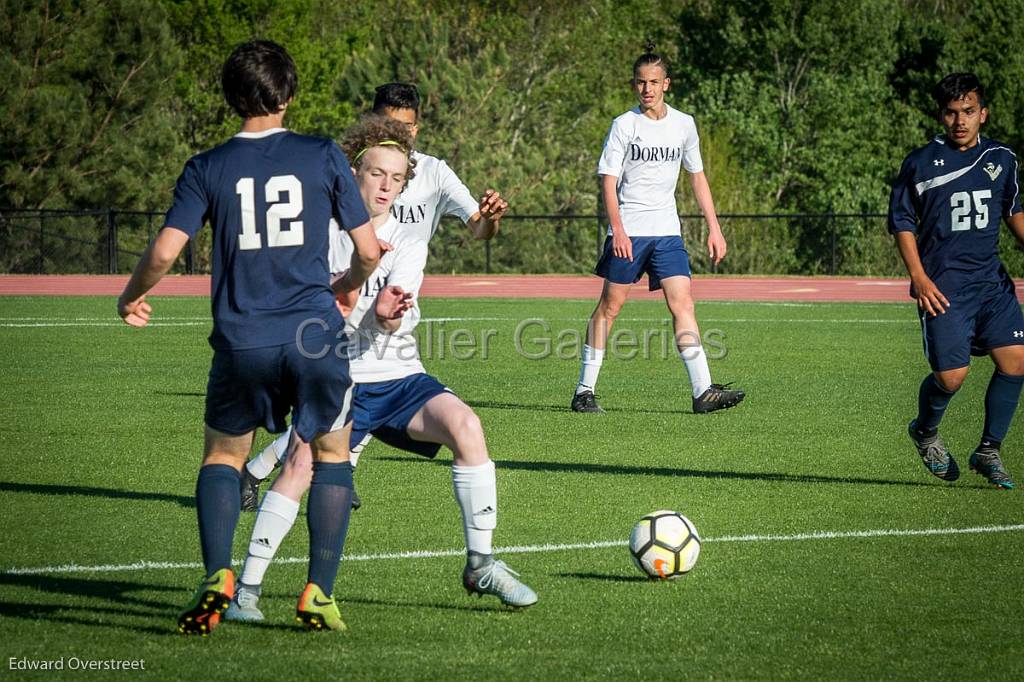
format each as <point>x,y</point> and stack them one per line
<point>110,241</point>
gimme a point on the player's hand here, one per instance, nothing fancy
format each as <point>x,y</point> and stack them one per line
<point>929,298</point>
<point>622,245</point>
<point>492,206</point>
<point>392,302</point>
<point>345,297</point>
<point>135,313</point>
<point>384,246</point>
<point>716,245</point>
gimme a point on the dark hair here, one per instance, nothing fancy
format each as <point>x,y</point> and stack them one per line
<point>649,57</point>
<point>370,132</point>
<point>396,96</point>
<point>956,86</point>
<point>258,78</point>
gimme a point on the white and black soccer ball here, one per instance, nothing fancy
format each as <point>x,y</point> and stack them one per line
<point>664,545</point>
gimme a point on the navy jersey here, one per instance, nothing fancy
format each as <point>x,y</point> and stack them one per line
<point>953,201</point>
<point>269,198</point>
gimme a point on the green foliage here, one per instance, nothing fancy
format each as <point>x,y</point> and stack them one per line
<point>85,104</point>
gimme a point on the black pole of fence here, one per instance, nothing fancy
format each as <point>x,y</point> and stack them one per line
<point>42,245</point>
<point>833,223</point>
<point>487,256</point>
<point>190,259</point>
<point>111,241</point>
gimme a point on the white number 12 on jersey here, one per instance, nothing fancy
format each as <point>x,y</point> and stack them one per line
<point>276,212</point>
<point>961,203</point>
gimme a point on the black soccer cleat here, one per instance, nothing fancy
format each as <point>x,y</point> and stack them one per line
<point>250,489</point>
<point>585,401</point>
<point>986,462</point>
<point>718,397</point>
<point>934,454</point>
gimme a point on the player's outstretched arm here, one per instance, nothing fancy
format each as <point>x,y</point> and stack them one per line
<point>929,298</point>
<point>154,264</point>
<point>702,193</point>
<point>365,257</point>
<point>484,223</point>
<point>391,305</point>
<point>622,247</point>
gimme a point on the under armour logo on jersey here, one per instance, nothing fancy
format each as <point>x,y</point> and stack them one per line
<point>992,170</point>
<point>939,162</point>
<point>1018,335</point>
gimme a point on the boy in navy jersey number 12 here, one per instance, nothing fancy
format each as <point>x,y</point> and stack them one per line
<point>269,196</point>
<point>944,212</point>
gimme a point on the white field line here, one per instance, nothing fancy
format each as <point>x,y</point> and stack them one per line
<point>16,323</point>
<point>533,549</point>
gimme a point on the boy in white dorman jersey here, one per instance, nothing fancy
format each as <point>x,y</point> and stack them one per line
<point>639,169</point>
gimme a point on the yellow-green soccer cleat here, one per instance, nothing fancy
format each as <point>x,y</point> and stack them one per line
<point>317,611</point>
<point>211,599</point>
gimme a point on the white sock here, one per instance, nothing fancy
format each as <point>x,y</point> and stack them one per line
<point>274,520</point>
<point>697,367</point>
<point>476,491</point>
<point>262,464</point>
<point>592,359</point>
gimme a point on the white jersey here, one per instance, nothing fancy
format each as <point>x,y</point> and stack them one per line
<point>374,355</point>
<point>645,156</point>
<point>435,191</point>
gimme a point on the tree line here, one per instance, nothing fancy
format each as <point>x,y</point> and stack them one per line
<point>803,106</point>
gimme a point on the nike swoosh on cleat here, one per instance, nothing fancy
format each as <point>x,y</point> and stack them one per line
<point>317,602</point>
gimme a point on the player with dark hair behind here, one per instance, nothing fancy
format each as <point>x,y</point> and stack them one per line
<point>435,191</point>
<point>269,196</point>
<point>944,213</point>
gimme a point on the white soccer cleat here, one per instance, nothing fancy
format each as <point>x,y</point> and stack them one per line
<point>244,607</point>
<point>496,578</point>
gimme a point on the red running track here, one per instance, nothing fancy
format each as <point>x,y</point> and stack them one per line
<point>709,288</point>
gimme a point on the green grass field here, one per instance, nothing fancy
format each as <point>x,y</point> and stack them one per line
<point>101,433</point>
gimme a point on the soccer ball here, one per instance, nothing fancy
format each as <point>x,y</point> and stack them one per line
<point>664,544</point>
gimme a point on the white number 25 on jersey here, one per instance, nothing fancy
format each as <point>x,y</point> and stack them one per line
<point>276,212</point>
<point>962,210</point>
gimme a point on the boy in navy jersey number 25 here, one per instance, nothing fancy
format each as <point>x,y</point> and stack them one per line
<point>269,196</point>
<point>944,212</point>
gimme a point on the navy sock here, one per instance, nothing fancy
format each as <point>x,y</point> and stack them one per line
<point>1000,404</point>
<point>932,400</point>
<point>218,502</point>
<point>327,513</point>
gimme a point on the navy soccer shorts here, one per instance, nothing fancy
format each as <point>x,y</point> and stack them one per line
<point>980,317</point>
<point>260,386</point>
<point>659,257</point>
<point>385,408</point>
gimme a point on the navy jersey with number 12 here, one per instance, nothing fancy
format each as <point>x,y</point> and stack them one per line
<point>269,198</point>
<point>954,201</point>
